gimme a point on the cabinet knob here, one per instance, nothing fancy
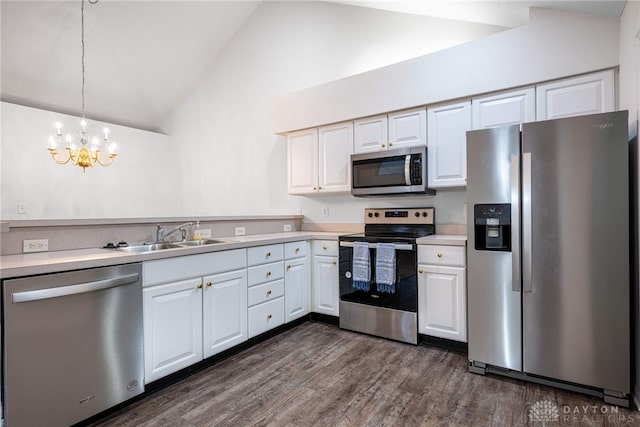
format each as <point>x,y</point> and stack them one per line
<point>420,271</point>
<point>383,145</point>
<point>209,284</point>
<point>268,254</point>
<point>333,262</point>
<point>288,267</point>
<point>268,273</point>
<point>315,188</point>
<point>324,248</point>
<point>439,254</point>
<point>199,286</point>
<point>319,188</point>
<point>297,250</point>
<point>268,316</point>
<point>269,292</point>
<point>391,144</point>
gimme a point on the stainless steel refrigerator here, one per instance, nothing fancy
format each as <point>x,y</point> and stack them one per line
<point>548,253</point>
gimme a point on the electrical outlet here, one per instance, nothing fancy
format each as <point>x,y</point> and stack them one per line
<point>325,211</point>
<point>205,233</point>
<point>240,231</point>
<point>287,227</point>
<point>39,245</point>
<point>22,208</point>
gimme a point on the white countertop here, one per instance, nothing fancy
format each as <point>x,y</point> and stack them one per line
<point>51,262</point>
<point>56,261</point>
<point>443,239</point>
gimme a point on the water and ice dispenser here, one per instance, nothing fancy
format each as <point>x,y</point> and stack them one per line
<point>492,227</point>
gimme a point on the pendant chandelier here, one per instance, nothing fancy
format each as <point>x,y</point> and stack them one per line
<point>83,149</point>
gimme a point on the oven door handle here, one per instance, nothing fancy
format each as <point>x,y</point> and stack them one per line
<point>399,246</point>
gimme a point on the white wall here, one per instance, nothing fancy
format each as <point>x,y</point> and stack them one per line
<point>140,182</point>
<point>225,128</point>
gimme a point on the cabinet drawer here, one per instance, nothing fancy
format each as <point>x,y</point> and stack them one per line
<point>325,247</point>
<point>265,292</point>
<point>265,273</point>
<point>264,254</point>
<point>441,255</point>
<point>295,249</point>
<point>266,316</point>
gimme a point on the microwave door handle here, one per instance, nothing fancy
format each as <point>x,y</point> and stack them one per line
<point>407,169</point>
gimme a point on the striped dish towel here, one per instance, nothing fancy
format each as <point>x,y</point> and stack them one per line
<point>386,267</point>
<point>361,269</point>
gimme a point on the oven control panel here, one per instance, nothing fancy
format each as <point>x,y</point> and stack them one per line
<point>400,216</point>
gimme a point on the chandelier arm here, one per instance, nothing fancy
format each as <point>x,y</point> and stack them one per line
<point>105,163</point>
<point>54,153</point>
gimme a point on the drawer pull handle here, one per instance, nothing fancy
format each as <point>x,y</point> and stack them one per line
<point>439,254</point>
<point>268,292</point>
<point>268,273</point>
<point>268,254</point>
<point>268,316</point>
<point>199,286</point>
<point>420,271</point>
<point>209,284</point>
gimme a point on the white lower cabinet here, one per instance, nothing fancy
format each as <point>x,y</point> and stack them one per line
<point>193,307</point>
<point>442,291</point>
<point>326,289</point>
<point>297,279</point>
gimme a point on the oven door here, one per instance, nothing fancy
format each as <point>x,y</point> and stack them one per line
<point>404,298</point>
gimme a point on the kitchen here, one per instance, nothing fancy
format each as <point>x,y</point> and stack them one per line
<point>209,134</point>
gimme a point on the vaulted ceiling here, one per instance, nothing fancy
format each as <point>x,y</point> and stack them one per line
<point>143,57</point>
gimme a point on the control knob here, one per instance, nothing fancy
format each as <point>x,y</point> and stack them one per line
<point>376,214</point>
<point>369,214</point>
<point>417,214</point>
<point>424,214</point>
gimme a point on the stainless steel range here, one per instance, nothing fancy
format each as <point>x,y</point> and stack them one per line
<point>378,273</point>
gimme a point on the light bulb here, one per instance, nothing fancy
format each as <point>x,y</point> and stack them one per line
<point>68,138</point>
<point>112,148</point>
<point>83,124</point>
<point>58,128</point>
<point>52,142</point>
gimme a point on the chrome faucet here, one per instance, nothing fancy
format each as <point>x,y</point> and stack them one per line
<point>160,236</point>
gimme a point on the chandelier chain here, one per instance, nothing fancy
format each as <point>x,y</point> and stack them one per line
<point>82,56</point>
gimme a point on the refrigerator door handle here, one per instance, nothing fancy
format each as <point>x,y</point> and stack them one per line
<point>526,223</point>
<point>516,281</point>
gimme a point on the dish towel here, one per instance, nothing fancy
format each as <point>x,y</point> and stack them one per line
<point>361,268</point>
<point>386,267</point>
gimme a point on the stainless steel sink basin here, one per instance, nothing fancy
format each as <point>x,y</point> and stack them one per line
<point>200,242</point>
<point>149,248</point>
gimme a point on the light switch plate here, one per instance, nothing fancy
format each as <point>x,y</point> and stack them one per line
<point>240,231</point>
<point>287,227</point>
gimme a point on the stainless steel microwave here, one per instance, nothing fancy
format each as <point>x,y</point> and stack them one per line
<point>395,172</point>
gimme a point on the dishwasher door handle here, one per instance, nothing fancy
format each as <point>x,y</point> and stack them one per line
<point>40,294</point>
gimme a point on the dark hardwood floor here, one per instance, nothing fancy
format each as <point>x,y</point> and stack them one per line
<point>319,375</point>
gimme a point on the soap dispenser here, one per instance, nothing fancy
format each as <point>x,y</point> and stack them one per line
<point>197,235</point>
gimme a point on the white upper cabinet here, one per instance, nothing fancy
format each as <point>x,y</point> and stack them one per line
<point>319,159</point>
<point>408,128</point>
<point>335,147</point>
<point>370,134</point>
<point>506,108</point>
<point>576,96</point>
<point>446,133</point>
<point>400,129</point>
<point>302,159</point>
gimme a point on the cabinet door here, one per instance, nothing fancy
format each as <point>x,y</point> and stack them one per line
<point>326,292</point>
<point>408,128</point>
<point>447,141</point>
<point>335,147</point>
<point>224,311</point>
<point>576,96</point>
<point>172,327</point>
<point>370,134</point>
<point>302,159</point>
<point>507,108</point>
<point>297,281</point>
<point>442,305</point>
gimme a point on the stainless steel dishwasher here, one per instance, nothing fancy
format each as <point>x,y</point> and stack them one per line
<point>72,344</point>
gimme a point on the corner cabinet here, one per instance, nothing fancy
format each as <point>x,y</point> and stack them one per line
<point>399,129</point>
<point>587,94</point>
<point>326,290</point>
<point>442,292</point>
<point>319,159</point>
<point>447,140</point>
<point>193,307</point>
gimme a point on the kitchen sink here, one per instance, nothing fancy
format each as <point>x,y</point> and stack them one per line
<point>153,247</point>
<point>149,248</point>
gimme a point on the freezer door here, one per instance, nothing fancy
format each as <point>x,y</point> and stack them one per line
<point>494,298</point>
<point>576,250</point>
